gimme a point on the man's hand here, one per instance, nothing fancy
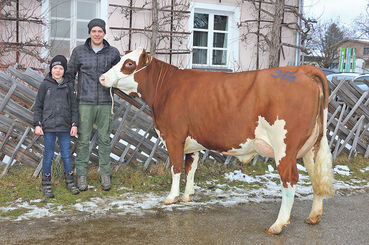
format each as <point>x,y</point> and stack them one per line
<point>38,131</point>
<point>73,131</point>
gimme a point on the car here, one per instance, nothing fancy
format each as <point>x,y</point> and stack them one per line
<point>362,82</point>
<point>328,71</point>
<point>344,75</point>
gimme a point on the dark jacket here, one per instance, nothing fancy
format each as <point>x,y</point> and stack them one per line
<point>89,66</point>
<point>56,108</point>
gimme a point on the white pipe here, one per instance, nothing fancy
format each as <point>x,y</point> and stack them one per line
<point>298,35</point>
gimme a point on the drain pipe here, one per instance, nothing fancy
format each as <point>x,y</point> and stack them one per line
<point>298,35</point>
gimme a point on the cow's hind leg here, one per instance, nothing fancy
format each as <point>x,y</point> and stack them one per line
<point>175,151</point>
<point>288,196</point>
<point>191,166</point>
<point>288,172</point>
<point>321,176</point>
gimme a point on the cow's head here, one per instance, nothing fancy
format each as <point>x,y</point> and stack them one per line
<point>121,75</point>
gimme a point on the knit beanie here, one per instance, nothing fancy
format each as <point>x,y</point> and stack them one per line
<point>59,60</point>
<point>96,22</point>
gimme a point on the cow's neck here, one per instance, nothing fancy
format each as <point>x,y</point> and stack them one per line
<point>154,81</point>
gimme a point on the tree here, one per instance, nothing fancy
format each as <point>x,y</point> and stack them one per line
<point>270,23</point>
<point>165,32</point>
<point>362,23</point>
<point>20,37</point>
<point>325,40</point>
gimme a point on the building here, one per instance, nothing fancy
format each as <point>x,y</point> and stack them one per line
<point>361,54</point>
<point>201,34</point>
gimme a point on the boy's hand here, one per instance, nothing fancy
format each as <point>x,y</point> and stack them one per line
<point>38,131</point>
<point>73,131</point>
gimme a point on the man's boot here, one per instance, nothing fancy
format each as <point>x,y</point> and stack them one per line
<point>105,182</point>
<point>82,183</point>
<point>46,186</point>
<point>69,181</point>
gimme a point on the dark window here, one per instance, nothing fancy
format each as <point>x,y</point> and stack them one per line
<point>366,51</point>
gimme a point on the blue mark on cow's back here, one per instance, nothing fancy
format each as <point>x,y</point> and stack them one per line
<point>284,75</point>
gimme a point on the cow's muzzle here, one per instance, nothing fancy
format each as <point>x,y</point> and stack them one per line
<point>102,80</point>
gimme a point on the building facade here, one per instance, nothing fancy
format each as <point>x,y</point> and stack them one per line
<point>202,34</point>
<point>361,54</point>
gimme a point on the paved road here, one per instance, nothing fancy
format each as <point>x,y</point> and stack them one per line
<point>346,221</point>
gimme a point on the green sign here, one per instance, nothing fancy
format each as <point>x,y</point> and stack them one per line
<point>353,59</point>
<point>342,60</point>
<point>348,60</point>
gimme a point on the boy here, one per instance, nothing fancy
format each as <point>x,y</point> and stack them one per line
<point>56,116</point>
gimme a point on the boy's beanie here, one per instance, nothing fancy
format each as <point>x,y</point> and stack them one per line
<point>59,60</point>
<point>96,22</point>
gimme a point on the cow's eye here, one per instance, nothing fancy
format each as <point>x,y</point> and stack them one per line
<point>130,64</point>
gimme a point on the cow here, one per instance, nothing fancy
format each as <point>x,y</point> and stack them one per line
<point>277,112</point>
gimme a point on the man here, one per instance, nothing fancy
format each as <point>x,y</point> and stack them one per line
<point>91,60</point>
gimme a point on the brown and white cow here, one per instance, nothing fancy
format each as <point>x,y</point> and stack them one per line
<point>278,112</point>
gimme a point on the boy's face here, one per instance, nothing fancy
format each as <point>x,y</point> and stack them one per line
<point>57,72</point>
<point>97,35</point>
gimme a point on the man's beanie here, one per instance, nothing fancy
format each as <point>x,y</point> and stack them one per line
<point>59,60</point>
<point>96,22</point>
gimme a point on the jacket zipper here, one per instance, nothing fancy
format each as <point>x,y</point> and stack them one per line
<point>97,70</point>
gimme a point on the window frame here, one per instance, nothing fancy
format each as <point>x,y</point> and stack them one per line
<point>101,12</point>
<point>233,14</point>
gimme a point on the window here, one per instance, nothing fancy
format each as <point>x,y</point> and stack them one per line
<point>68,24</point>
<point>366,51</point>
<point>213,29</point>
<point>210,39</point>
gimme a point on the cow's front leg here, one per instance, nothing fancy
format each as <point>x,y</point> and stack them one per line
<point>174,190</point>
<point>175,151</point>
<point>191,166</point>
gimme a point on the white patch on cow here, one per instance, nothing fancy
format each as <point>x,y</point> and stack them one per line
<point>174,190</point>
<point>125,82</point>
<point>325,118</point>
<point>273,136</point>
<point>189,190</point>
<point>288,196</point>
<point>245,149</point>
<point>245,153</point>
<point>191,145</point>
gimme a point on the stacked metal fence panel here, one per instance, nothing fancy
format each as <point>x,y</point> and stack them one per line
<point>348,119</point>
<point>134,138</point>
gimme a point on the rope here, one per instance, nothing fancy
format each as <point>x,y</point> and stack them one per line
<point>112,101</point>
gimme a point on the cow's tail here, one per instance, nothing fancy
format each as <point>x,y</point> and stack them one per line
<point>318,161</point>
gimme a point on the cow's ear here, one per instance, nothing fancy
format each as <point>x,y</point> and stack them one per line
<point>145,58</point>
<point>127,51</point>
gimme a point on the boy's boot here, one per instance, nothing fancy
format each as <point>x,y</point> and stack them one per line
<point>69,181</point>
<point>46,186</point>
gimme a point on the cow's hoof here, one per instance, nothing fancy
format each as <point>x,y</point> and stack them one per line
<point>187,199</point>
<point>313,220</point>
<point>273,231</point>
<point>170,201</point>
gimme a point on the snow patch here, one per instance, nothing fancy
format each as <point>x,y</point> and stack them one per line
<point>342,170</point>
<point>258,188</point>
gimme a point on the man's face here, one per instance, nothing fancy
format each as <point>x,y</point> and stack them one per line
<point>97,35</point>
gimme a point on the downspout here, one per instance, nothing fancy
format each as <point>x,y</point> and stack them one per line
<point>298,35</point>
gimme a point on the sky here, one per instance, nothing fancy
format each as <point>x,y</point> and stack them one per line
<point>344,11</point>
